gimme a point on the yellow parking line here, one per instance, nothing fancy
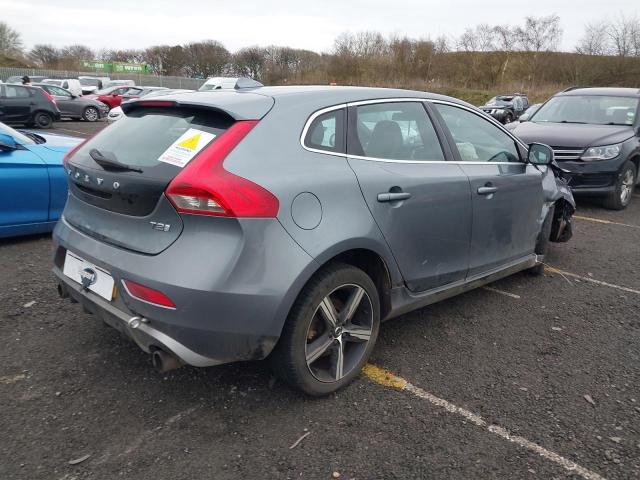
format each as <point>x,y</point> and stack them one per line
<point>606,222</point>
<point>589,279</point>
<point>388,379</point>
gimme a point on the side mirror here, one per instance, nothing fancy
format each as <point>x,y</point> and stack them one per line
<point>7,143</point>
<point>540,154</point>
<point>524,118</point>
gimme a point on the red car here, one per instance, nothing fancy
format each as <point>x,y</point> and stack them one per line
<point>111,96</point>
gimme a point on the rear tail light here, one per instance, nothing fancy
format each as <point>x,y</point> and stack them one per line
<point>148,295</point>
<point>49,97</point>
<point>204,187</point>
<point>70,153</point>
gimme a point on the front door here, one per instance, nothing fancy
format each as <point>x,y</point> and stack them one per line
<point>421,202</point>
<point>507,193</point>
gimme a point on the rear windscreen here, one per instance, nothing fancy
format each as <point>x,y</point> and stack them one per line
<point>155,138</point>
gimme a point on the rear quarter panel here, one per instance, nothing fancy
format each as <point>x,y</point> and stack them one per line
<point>273,157</point>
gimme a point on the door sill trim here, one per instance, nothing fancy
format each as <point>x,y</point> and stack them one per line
<point>404,301</point>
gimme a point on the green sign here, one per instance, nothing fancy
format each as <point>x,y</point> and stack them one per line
<point>117,67</point>
<point>105,67</point>
<point>130,68</point>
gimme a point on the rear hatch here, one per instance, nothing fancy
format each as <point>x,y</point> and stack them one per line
<point>118,178</point>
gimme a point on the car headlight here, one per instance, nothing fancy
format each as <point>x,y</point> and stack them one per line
<point>606,152</point>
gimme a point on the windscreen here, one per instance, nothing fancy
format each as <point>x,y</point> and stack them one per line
<point>146,138</point>
<point>591,109</point>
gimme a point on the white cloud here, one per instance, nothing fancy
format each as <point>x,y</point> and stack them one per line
<point>311,25</point>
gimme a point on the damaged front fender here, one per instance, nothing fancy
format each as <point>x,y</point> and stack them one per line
<point>558,193</point>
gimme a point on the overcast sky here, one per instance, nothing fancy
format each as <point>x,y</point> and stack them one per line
<point>297,23</point>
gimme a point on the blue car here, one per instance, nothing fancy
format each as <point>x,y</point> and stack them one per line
<point>33,184</point>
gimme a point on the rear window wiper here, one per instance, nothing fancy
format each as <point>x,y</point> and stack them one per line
<point>111,163</point>
<point>567,121</point>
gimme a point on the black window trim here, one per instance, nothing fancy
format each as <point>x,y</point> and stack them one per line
<point>352,138</point>
<point>521,147</point>
<point>428,101</point>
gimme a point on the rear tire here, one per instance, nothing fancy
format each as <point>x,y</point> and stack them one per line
<point>620,198</point>
<point>330,331</point>
<point>43,120</point>
<point>543,241</point>
<point>91,114</point>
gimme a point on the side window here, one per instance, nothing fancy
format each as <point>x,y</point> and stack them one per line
<point>477,139</point>
<point>12,91</point>
<point>393,131</point>
<point>326,132</point>
<point>60,92</point>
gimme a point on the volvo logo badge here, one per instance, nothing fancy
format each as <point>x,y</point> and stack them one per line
<point>88,276</point>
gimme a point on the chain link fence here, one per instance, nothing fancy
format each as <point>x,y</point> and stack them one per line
<point>140,79</point>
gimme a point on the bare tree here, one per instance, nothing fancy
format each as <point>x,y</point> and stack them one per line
<point>539,34</point>
<point>250,62</point>
<point>595,40</point>
<point>206,58</point>
<point>10,40</point>
<point>624,34</point>
<point>45,56</point>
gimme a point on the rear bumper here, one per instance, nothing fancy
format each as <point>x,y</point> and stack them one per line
<point>137,328</point>
<point>232,294</point>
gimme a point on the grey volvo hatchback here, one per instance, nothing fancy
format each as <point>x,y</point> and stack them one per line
<point>288,222</point>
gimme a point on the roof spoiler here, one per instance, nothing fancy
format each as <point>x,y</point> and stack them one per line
<point>575,87</point>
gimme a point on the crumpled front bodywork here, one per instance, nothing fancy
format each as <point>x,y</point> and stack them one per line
<point>557,192</point>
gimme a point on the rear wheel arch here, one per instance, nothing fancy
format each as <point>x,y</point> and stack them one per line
<point>370,262</point>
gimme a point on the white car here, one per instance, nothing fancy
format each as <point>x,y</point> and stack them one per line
<point>71,84</point>
<point>116,113</point>
<point>91,85</point>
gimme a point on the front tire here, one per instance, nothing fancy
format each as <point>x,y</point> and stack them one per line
<point>90,114</point>
<point>620,198</point>
<point>330,331</point>
<point>43,120</point>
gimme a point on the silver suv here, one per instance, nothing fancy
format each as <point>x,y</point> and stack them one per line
<point>288,222</point>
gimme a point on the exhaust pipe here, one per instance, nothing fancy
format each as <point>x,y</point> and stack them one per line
<point>164,362</point>
<point>62,292</point>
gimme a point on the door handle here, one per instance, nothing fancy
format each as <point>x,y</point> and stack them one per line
<point>487,190</point>
<point>393,196</point>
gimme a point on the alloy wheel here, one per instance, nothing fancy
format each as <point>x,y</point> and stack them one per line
<point>627,187</point>
<point>91,114</point>
<point>339,332</point>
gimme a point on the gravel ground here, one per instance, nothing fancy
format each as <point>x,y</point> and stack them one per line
<point>559,366</point>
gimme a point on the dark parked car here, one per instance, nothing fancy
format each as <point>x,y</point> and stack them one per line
<point>595,133</point>
<point>288,222</point>
<point>72,106</point>
<point>506,108</point>
<point>27,105</point>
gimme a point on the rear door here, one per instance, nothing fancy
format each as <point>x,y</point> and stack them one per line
<point>507,193</point>
<point>66,103</point>
<point>16,103</point>
<point>420,201</point>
